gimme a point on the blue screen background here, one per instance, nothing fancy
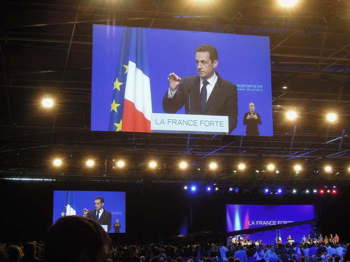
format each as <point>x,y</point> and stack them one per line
<point>114,203</point>
<point>239,217</point>
<point>243,60</point>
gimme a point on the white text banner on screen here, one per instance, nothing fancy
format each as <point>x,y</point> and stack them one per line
<point>187,123</point>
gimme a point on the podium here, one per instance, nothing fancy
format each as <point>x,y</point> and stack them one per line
<point>188,123</point>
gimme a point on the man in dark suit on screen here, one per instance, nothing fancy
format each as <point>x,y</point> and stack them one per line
<point>99,214</point>
<point>205,94</point>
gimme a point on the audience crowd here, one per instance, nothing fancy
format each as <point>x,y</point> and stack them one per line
<point>80,239</point>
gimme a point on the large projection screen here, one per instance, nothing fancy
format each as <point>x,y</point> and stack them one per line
<point>130,82</point>
<point>241,217</point>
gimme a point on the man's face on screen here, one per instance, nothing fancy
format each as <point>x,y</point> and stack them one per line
<point>205,66</point>
<point>251,107</point>
<point>98,204</point>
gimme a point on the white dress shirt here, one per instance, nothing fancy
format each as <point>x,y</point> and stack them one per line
<point>100,213</point>
<point>212,82</point>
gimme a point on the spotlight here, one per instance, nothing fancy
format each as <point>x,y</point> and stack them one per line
<point>291,115</point>
<point>213,165</point>
<point>152,164</point>
<point>90,163</point>
<point>57,162</point>
<point>348,169</point>
<point>307,191</point>
<point>266,190</point>
<point>47,102</point>
<point>284,87</point>
<point>193,188</point>
<point>230,189</point>
<point>294,191</point>
<point>315,191</point>
<point>297,168</point>
<point>209,189</point>
<point>257,171</point>
<point>183,165</point>
<point>271,167</point>
<point>334,191</point>
<point>279,191</point>
<point>185,187</point>
<point>321,191</point>
<point>237,190</point>
<point>331,117</point>
<point>120,163</point>
<point>328,191</point>
<point>277,172</point>
<point>328,169</point>
<point>241,166</point>
<point>288,3</point>
<point>216,188</point>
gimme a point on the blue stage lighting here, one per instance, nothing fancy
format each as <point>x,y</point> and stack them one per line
<point>236,190</point>
<point>209,189</point>
<point>266,190</point>
<point>279,191</point>
<point>230,189</point>
<point>193,188</point>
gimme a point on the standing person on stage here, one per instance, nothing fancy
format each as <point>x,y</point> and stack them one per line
<point>204,94</point>
<point>99,214</point>
<point>252,120</point>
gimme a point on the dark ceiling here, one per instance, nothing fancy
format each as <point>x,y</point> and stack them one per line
<point>46,49</point>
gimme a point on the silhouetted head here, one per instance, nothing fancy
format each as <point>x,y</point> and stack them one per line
<point>75,238</point>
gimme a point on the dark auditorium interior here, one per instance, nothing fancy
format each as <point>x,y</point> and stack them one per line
<point>177,185</point>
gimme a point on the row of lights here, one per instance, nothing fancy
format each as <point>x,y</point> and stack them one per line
<point>48,102</point>
<point>58,162</point>
<point>194,188</point>
<point>330,117</point>
<point>282,3</point>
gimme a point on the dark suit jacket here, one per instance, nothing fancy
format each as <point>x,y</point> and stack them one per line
<point>222,100</point>
<point>105,219</point>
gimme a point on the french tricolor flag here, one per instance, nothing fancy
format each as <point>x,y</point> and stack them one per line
<point>137,110</point>
<point>132,103</point>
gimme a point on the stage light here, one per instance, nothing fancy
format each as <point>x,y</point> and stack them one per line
<point>270,167</point>
<point>236,190</point>
<point>328,169</point>
<point>307,191</point>
<point>213,165</point>
<point>331,117</point>
<point>257,171</point>
<point>230,189</point>
<point>193,188</point>
<point>328,191</point>
<point>120,163</point>
<point>334,191</point>
<point>291,115</point>
<point>57,162</point>
<point>279,191</point>
<point>241,166</point>
<point>185,187</point>
<point>348,169</point>
<point>321,191</point>
<point>288,3</point>
<point>216,188</point>
<point>90,163</point>
<point>284,87</point>
<point>277,172</point>
<point>315,191</point>
<point>183,165</point>
<point>266,190</point>
<point>294,191</point>
<point>209,189</point>
<point>152,164</point>
<point>297,168</point>
<point>47,102</point>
